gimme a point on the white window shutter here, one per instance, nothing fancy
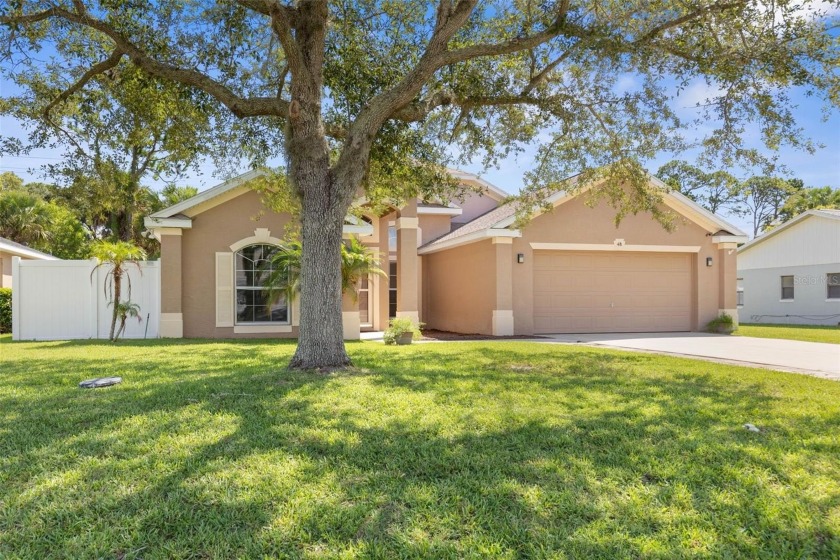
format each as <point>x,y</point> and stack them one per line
<point>224,289</point>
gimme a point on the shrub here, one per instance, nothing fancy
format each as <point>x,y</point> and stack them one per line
<point>5,310</point>
<point>723,323</point>
<point>400,326</point>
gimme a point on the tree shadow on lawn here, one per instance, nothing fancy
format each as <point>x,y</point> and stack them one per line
<point>430,454</point>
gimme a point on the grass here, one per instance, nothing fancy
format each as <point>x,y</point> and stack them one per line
<point>463,450</point>
<point>806,333</point>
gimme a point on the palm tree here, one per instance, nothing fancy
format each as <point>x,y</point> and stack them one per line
<point>357,261</point>
<point>118,255</point>
<point>125,310</point>
<point>23,218</point>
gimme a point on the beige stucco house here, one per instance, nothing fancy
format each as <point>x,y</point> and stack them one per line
<point>9,249</point>
<point>461,267</point>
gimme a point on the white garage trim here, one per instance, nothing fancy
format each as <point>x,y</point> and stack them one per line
<point>614,247</point>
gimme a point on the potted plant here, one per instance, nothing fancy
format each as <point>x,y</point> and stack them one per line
<point>402,330</point>
<point>722,324</point>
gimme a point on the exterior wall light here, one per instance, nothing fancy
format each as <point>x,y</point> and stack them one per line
<point>520,258</point>
<point>708,261</point>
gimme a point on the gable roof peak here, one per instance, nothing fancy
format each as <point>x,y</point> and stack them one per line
<point>830,213</point>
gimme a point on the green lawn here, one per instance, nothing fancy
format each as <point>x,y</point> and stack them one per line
<point>458,450</point>
<point>807,333</point>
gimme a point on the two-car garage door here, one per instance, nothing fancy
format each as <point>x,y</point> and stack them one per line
<point>604,291</point>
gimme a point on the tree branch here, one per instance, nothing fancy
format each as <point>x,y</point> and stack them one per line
<point>419,111</point>
<point>381,107</point>
<point>686,18</point>
<point>239,106</point>
<point>98,68</point>
<point>282,27</point>
<point>514,45</point>
<point>265,8</point>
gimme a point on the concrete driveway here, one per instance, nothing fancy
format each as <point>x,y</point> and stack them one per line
<point>813,358</point>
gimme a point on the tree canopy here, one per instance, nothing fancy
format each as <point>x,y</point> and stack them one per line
<point>810,199</point>
<point>43,225</point>
<point>716,191</point>
<point>63,221</point>
<point>121,128</point>
<point>378,94</point>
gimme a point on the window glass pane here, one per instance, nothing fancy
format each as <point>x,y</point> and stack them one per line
<point>253,268</point>
<point>392,303</point>
<point>392,238</point>
<point>833,281</point>
<point>787,287</point>
<point>252,306</point>
<point>392,289</point>
<point>244,305</point>
<point>741,297</point>
<point>253,265</point>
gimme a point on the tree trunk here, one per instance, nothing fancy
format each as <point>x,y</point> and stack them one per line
<point>116,302</point>
<point>324,200</point>
<point>321,339</point>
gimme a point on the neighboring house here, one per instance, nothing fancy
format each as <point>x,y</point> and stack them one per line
<point>791,274</point>
<point>9,249</point>
<point>460,267</point>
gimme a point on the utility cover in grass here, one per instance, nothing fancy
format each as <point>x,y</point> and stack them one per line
<point>100,382</point>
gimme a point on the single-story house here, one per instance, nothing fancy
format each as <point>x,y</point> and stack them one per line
<point>791,274</point>
<point>9,249</point>
<point>462,266</point>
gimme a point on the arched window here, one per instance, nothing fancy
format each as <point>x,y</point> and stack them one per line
<point>252,269</point>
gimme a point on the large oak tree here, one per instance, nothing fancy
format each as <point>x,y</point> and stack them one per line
<point>364,92</point>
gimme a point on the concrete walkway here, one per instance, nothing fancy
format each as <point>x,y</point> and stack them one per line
<point>813,358</point>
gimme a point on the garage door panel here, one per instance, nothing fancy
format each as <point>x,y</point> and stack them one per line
<point>559,303</point>
<point>603,292</point>
<point>543,280</point>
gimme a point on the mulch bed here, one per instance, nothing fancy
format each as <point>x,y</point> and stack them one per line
<point>445,335</point>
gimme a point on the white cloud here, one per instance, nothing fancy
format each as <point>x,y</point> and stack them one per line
<point>698,92</point>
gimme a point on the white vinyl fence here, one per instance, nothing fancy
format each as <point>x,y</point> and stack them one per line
<point>62,300</point>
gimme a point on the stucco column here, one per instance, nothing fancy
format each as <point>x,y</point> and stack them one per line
<point>408,263</point>
<point>728,280</point>
<point>171,316</point>
<point>503,309</point>
<point>350,321</point>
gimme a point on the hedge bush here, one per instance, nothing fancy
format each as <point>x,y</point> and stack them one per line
<point>5,310</point>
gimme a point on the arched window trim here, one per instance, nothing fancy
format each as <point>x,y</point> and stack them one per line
<point>262,236</point>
